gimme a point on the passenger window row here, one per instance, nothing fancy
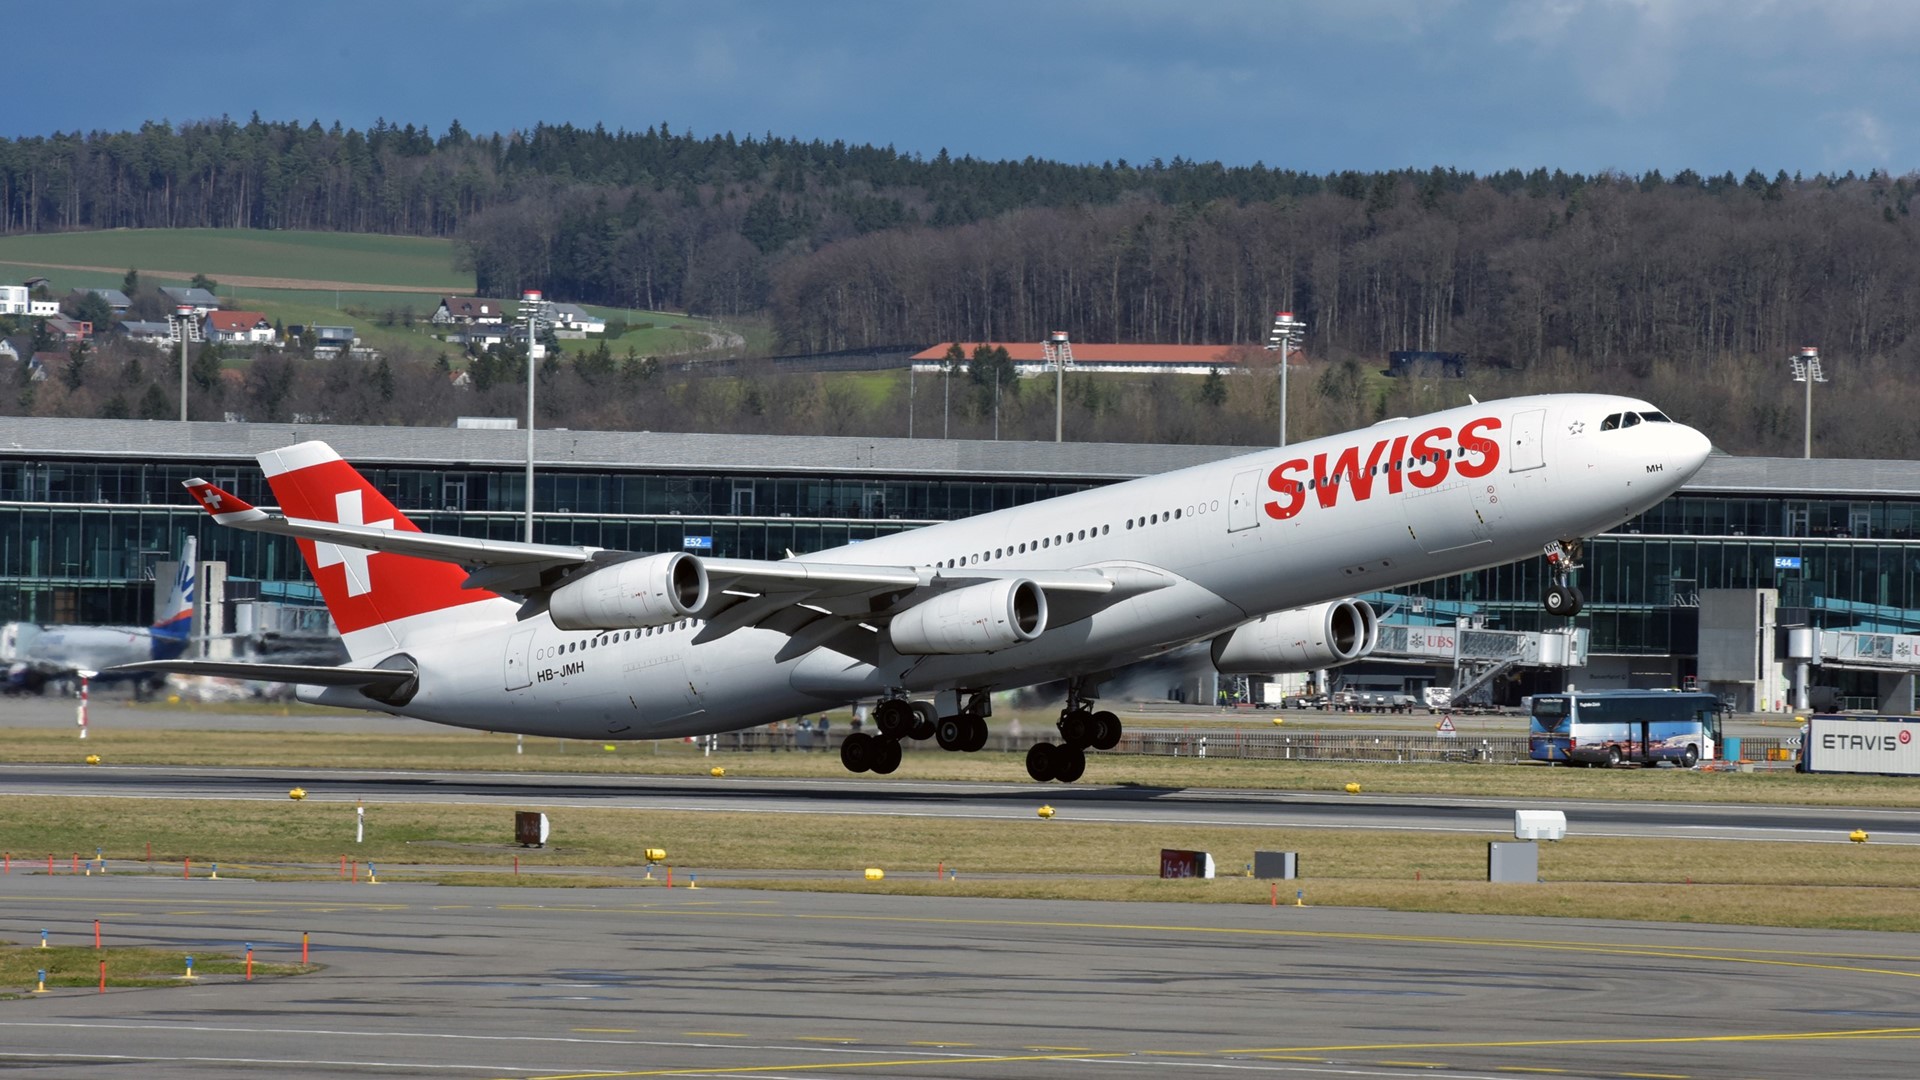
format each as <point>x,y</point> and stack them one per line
<point>615,637</point>
<point>1044,543</point>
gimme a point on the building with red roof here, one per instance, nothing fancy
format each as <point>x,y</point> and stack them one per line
<point>238,328</point>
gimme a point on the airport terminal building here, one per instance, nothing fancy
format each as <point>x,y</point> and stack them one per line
<point>90,508</point>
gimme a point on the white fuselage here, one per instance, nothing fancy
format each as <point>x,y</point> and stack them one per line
<point>1234,538</point>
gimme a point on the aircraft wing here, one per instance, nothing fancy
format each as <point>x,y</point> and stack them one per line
<point>375,679</point>
<point>787,593</point>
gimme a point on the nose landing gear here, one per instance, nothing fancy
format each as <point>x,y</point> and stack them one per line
<point>1563,558</point>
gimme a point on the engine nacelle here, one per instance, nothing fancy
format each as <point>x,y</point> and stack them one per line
<point>1301,639</point>
<point>635,594</point>
<point>977,619</point>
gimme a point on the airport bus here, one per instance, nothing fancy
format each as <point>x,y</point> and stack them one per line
<point>1607,727</point>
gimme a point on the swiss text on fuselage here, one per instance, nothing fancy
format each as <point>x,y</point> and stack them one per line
<point>1422,461</point>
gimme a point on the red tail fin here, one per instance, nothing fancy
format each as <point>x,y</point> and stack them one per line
<point>366,592</point>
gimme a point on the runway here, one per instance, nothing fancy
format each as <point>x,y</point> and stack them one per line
<point>487,982</point>
<point>873,796</point>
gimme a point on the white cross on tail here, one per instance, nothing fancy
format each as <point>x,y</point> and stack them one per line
<point>347,511</point>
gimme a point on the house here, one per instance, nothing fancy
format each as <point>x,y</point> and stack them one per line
<point>572,321</point>
<point>18,300</point>
<point>68,329</point>
<point>200,300</point>
<point>9,351</point>
<point>334,337</point>
<point>158,333</point>
<point>238,328</point>
<point>469,311</point>
<point>115,299</point>
<point>483,335</point>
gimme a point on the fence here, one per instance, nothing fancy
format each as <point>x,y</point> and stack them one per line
<point>1228,744</point>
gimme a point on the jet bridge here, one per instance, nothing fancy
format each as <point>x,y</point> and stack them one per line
<point>1895,657</point>
<point>1479,655</point>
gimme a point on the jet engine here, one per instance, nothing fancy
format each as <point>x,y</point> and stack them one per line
<point>1300,639</point>
<point>635,594</point>
<point>977,619</point>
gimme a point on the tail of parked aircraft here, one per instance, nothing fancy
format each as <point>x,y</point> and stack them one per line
<point>173,620</point>
<point>377,599</point>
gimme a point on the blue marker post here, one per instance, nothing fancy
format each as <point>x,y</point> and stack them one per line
<point>42,988</point>
<point>189,974</point>
<point>43,939</point>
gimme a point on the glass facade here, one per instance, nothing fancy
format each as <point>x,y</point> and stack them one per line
<point>79,539</point>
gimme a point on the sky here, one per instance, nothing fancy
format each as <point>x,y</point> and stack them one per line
<point>1317,85</point>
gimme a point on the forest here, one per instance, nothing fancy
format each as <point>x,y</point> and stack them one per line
<point>1692,289</point>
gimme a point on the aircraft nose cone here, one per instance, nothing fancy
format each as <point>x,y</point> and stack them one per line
<point>1690,448</point>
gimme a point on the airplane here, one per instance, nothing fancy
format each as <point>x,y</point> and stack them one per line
<point>1256,557</point>
<point>35,655</point>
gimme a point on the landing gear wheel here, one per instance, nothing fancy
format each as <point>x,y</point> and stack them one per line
<point>1077,728</point>
<point>1041,758</point>
<point>857,752</point>
<point>977,735</point>
<point>1106,734</point>
<point>925,719</point>
<point>952,732</point>
<point>1563,600</point>
<point>894,718</point>
<point>1069,764</point>
<point>886,756</point>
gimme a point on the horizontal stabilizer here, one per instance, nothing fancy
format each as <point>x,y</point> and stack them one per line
<point>374,680</point>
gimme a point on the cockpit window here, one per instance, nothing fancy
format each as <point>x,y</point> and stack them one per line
<point>1629,419</point>
<point>1610,422</point>
<point>1658,418</point>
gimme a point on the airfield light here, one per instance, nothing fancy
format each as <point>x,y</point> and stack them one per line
<point>1806,369</point>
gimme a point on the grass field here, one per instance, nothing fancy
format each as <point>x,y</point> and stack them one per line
<point>414,262</point>
<point>1825,885</point>
<point>71,965</point>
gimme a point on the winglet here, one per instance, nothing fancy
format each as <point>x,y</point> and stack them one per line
<point>226,507</point>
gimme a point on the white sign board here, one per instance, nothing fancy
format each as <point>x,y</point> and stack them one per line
<point>1863,745</point>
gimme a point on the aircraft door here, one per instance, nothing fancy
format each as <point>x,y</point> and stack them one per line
<point>1528,449</point>
<point>519,669</point>
<point>1243,506</point>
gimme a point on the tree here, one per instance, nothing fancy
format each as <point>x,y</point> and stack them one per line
<point>131,283</point>
<point>93,308</point>
<point>202,281</point>
<point>1213,391</point>
<point>78,357</point>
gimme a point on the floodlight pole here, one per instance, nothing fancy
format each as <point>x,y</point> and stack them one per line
<point>1058,351</point>
<point>530,302</point>
<point>1806,369</point>
<point>182,323</point>
<point>1286,333</point>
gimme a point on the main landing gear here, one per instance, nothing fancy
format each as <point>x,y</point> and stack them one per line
<point>1563,558</point>
<point>1080,728</point>
<point>899,719</point>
